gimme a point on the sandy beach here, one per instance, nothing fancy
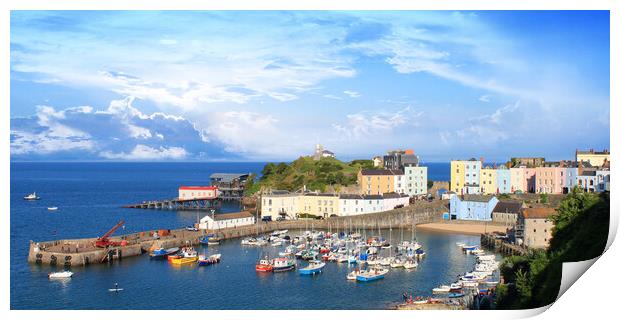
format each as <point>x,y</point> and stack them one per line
<point>464,228</point>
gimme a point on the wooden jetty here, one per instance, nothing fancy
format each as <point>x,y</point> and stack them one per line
<point>500,245</point>
<point>179,204</point>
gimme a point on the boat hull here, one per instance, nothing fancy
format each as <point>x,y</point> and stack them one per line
<point>283,269</point>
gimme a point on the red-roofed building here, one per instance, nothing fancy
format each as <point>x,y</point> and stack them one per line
<point>198,192</point>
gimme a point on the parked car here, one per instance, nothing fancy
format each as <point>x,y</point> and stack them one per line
<point>190,228</point>
<point>280,218</point>
<point>319,218</point>
<point>333,215</point>
<point>266,219</point>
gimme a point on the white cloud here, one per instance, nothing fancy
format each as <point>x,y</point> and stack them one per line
<point>366,123</point>
<point>485,98</point>
<point>120,131</point>
<point>142,152</point>
<point>352,94</point>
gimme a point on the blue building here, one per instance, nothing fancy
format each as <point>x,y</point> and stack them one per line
<point>472,207</point>
<point>502,175</point>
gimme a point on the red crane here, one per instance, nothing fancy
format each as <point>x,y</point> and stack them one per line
<point>104,242</point>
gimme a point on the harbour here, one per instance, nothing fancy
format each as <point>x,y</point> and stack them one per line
<point>213,287</point>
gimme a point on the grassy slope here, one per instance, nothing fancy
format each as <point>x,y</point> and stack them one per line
<point>315,175</point>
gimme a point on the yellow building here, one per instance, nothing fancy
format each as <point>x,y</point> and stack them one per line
<point>465,176</point>
<point>280,204</point>
<point>378,181</point>
<point>596,158</point>
<point>488,181</point>
<point>319,204</point>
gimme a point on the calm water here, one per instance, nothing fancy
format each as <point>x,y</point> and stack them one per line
<point>89,196</point>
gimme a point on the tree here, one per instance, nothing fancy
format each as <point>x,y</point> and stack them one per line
<point>544,198</point>
<point>429,184</point>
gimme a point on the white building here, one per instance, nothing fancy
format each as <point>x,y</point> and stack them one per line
<point>373,203</point>
<point>400,185</point>
<point>227,220</point>
<point>415,181</point>
<point>394,200</point>
<point>280,203</point>
<point>350,205</point>
<point>196,192</point>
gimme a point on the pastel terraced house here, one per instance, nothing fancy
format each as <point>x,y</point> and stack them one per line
<point>465,176</point>
<point>595,158</point>
<point>379,181</point>
<point>503,179</point>
<point>488,181</point>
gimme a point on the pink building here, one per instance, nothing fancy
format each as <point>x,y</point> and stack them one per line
<point>522,179</point>
<point>550,179</point>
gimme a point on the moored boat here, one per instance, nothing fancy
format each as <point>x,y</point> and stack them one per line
<point>312,268</point>
<point>372,274</point>
<point>60,275</point>
<point>161,252</point>
<point>283,264</point>
<point>264,265</point>
<point>52,208</point>
<point>203,260</point>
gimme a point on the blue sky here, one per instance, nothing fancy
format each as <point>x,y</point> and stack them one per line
<point>243,86</point>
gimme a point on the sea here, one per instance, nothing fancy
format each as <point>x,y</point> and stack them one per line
<point>90,198</point>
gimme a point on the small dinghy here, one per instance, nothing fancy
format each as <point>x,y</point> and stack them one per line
<point>52,208</point>
<point>60,275</point>
<point>116,288</point>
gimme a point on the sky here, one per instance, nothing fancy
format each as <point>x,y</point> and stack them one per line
<point>269,85</point>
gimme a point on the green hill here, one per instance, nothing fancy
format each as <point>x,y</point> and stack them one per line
<point>315,175</point>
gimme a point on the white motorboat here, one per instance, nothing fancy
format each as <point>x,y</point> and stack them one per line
<point>52,208</point>
<point>353,275</point>
<point>60,275</point>
<point>441,289</point>
<point>32,196</point>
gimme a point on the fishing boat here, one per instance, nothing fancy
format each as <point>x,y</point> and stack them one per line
<point>186,256</point>
<point>456,295</point>
<point>52,208</point>
<point>372,274</point>
<point>204,240</point>
<point>419,254</point>
<point>60,275</point>
<point>264,265</point>
<point>161,252</point>
<point>32,196</point>
<point>457,286</point>
<point>203,260</point>
<point>312,268</point>
<point>283,264</point>
<point>441,289</point>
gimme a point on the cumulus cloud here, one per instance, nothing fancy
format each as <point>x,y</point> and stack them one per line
<point>120,131</point>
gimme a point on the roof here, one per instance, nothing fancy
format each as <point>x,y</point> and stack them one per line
<point>392,195</point>
<point>229,216</point>
<point>197,188</point>
<point>381,172</point>
<point>591,151</point>
<point>328,152</point>
<point>228,177</point>
<point>477,197</point>
<point>588,173</point>
<point>321,194</point>
<point>537,213</point>
<point>350,196</point>
<point>373,196</point>
<point>508,207</point>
